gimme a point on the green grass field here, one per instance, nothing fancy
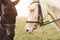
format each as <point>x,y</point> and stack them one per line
<point>47,32</point>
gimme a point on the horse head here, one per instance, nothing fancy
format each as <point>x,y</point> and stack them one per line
<point>33,15</point>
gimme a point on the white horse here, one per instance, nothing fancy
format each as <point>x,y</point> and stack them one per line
<point>50,9</point>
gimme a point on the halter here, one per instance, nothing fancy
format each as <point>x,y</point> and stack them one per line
<point>40,16</point>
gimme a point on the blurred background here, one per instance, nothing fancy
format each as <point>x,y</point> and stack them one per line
<point>22,7</point>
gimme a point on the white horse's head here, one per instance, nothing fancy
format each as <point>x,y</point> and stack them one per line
<point>33,16</point>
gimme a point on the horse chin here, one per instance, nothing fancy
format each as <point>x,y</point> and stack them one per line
<point>30,29</point>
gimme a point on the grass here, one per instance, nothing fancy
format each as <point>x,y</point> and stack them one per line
<point>47,32</point>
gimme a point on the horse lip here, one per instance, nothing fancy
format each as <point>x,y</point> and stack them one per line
<point>30,32</point>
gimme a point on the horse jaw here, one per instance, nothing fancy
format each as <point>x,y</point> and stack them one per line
<point>30,27</point>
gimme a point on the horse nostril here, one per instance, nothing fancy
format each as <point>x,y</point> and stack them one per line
<point>27,30</point>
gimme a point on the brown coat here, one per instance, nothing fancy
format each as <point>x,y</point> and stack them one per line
<point>7,31</point>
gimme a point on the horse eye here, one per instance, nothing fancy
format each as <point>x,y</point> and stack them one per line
<point>35,25</point>
<point>32,10</point>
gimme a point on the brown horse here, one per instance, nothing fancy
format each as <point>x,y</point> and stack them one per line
<point>8,19</point>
